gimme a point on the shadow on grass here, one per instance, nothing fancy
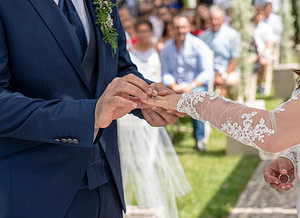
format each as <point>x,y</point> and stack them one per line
<point>189,150</point>
<point>226,197</point>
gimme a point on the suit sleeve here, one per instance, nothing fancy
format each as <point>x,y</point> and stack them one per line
<point>32,119</point>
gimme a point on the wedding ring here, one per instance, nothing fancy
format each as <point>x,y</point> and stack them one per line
<point>283,176</point>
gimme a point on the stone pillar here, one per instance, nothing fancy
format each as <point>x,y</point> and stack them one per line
<point>298,52</point>
<point>284,80</point>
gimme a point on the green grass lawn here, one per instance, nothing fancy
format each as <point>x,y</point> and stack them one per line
<point>216,179</point>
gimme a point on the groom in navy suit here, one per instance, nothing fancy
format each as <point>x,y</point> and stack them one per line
<point>60,93</point>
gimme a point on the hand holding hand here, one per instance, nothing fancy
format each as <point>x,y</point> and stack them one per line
<point>121,96</point>
<point>279,166</point>
<point>158,115</point>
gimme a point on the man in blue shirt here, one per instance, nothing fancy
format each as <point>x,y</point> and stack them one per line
<point>187,65</point>
<point>225,43</point>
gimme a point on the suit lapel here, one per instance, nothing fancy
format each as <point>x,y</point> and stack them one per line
<point>101,51</point>
<point>50,14</point>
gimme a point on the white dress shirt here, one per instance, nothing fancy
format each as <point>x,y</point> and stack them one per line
<point>80,8</point>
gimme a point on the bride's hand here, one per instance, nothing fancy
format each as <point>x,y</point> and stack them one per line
<point>168,102</point>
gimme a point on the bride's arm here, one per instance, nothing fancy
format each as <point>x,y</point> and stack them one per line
<point>272,131</point>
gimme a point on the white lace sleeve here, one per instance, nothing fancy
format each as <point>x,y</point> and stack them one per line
<point>272,131</point>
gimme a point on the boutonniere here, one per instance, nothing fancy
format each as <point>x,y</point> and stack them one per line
<point>103,10</point>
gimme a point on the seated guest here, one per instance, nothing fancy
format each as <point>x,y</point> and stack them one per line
<point>225,43</point>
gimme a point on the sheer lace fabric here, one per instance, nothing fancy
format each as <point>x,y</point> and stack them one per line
<point>152,173</point>
<point>272,131</point>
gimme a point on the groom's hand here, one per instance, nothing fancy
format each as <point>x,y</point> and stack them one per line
<point>159,116</point>
<point>119,98</point>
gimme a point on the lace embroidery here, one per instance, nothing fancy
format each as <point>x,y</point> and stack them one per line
<point>247,134</point>
<point>187,102</point>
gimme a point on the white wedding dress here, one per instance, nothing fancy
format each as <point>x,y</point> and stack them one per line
<point>261,129</point>
<point>151,171</point>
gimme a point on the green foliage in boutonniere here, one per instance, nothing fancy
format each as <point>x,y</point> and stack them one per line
<point>103,9</point>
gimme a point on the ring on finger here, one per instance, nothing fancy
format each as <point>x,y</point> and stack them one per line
<point>283,176</point>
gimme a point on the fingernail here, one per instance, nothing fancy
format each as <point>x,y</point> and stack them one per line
<point>149,91</point>
<point>276,182</point>
<point>283,170</point>
<point>289,186</point>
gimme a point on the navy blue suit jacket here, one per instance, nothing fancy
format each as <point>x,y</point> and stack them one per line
<point>45,97</point>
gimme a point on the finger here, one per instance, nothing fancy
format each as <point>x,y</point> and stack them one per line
<point>283,165</point>
<point>275,186</point>
<point>153,118</point>
<point>152,92</point>
<point>141,105</point>
<point>280,188</point>
<point>133,79</point>
<point>139,87</point>
<point>111,109</point>
<point>170,118</point>
<point>179,114</point>
<point>269,176</point>
<point>157,101</point>
<point>161,89</point>
<point>272,179</point>
<point>122,86</point>
<point>283,187</point>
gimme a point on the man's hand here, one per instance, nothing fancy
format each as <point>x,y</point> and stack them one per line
<point>279,166</point>
<point>119,98</point>
<point>159,116</point>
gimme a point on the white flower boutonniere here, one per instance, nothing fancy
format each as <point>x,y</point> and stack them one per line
<point>103,10</point>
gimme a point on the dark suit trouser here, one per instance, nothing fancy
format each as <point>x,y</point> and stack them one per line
<point>101,202</point>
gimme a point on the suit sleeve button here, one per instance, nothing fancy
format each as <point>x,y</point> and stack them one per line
<point>64,140</point>
<point>75,141</point>
<point>57,140</point>
<point>70,141</point>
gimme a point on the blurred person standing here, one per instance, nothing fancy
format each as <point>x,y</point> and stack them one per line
<point>202,19</point>
<point>275,22</point>
<point>150,11</point>
<point>225,43</point>
<point>262,37</point>
<point>152,176</point>
<point>276,4</point>
<point>132,5</point>
<point>144,53</point>
<point>187,65</point>
<point>128,25</point>
<point>164,14</point>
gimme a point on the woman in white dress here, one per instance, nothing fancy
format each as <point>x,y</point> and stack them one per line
<point>272,131</point>
<point>152,174</point>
